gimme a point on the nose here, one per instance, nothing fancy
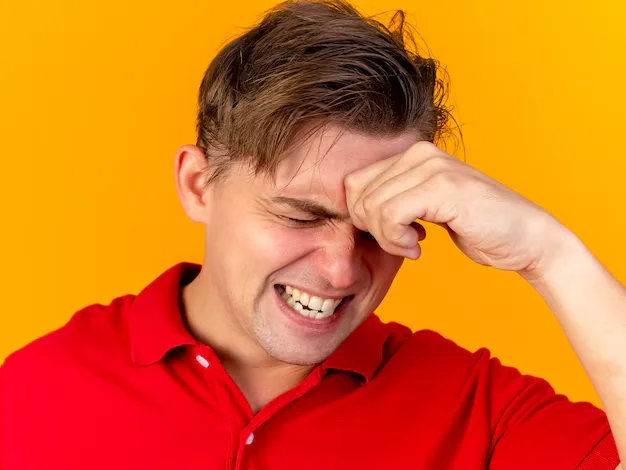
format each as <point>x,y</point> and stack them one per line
<point>340,257</point>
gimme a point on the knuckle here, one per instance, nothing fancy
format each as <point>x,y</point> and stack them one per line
<point>447,179</point>
<point>436,163</point>
<point>359,212</point>
<point>418,151</point>
<point>423,146</point>
<point>351,182</point>
<point>388,212</point>
<point>394,232</point>
<point>369,203</point>
<point>456,182</point>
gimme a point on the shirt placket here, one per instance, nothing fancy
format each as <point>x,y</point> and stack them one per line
<point>227,399</point>
<point>248,435</point>
<point>244,427</point>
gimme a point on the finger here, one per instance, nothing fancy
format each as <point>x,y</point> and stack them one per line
<point>418,156</point>
<point>392,181</point>
<point>397,215</point>
<point>357,181</point>
<point>368,208</point>
<point>371,200</point>
<point>407,247</point>
<point>395,174</point>
<point>419,164</point>
<point>412,250</point>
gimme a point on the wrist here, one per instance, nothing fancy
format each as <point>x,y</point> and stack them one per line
<point>563,255</point>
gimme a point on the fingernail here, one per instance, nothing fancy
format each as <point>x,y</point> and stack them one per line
<point>408,238</point>
<point>413,253</point>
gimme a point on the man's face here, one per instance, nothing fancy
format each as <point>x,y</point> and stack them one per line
<point>284,262</point>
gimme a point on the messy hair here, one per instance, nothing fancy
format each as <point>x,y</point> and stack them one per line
<point>307,64</point>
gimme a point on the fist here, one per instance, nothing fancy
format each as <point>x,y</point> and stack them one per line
<point>489,222</point>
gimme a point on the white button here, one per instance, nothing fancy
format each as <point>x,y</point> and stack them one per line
<point>250,439</point>
<point>203,362</point>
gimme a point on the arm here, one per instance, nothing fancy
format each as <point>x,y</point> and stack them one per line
<point>496,227</point>
<point>590,305</point>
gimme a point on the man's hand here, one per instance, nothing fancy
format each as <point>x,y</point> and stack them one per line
<point>490,223</point>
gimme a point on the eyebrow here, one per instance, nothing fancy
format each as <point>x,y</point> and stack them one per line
<point>308,206</point>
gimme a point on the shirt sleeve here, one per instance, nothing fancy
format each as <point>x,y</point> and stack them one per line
<point>2,424</point>
<point>534,427</point>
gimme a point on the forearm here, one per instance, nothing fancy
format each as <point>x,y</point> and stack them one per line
<point>590,305</point>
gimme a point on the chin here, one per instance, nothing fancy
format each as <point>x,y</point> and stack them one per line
<point>296,353</point>
<point>312,359</point>
<point>287,337</point>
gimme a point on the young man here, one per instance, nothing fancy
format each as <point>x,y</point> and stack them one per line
<point>314,160</point>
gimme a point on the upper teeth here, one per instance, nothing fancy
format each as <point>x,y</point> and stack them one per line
<point>317,307</point>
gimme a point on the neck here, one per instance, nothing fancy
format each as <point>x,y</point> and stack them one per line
<point>260,377</point>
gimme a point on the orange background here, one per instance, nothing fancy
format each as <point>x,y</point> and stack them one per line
<point>95,98</point>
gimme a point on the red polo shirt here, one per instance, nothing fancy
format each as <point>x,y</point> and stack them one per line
<point>125,386</point>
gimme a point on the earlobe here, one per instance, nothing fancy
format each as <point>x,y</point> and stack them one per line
<point>190,177</point>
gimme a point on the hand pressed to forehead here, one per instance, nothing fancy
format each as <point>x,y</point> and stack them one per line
<point>376,203</point>
<point>369,188</point>
<point>489,222</point>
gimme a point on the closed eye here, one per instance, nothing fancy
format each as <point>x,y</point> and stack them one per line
<point>300,221</point>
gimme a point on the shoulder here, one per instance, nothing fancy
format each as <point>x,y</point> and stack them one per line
<point>428,354</point>
<point>95,330</point>
<point>518,411</point>
<point>428,348</point>
<point>451,370</point>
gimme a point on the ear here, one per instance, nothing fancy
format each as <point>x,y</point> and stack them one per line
<point>190,175</point>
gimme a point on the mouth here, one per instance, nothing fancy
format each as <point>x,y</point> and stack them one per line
<point>311,306</point>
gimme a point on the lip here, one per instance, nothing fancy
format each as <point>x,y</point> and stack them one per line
<point>319,325</point>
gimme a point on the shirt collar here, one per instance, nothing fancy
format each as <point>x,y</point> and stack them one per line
<point>362,351</point>
<point>156,321</point>
<point>157,326</point>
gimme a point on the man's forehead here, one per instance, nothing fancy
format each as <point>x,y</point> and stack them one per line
<point>317,167</point>
<point>341,151</point>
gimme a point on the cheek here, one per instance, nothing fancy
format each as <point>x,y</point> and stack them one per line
<point>382,265</point>
<point>276,246</point>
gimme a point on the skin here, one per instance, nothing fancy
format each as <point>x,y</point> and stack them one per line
<point>378,188</point>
